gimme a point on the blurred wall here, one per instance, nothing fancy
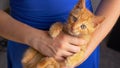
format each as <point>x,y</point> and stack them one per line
<point>4,4</point>
<point>95,4</point>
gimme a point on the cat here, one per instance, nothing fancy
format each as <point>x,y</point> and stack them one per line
<point>81,23</point>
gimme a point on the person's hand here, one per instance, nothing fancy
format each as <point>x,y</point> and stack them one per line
<point>60,47</point>
<point>67,67</point>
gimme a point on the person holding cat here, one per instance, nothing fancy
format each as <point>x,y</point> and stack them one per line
<point>29,21</point>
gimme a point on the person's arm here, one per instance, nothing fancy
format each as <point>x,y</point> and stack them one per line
<point>110,9</point>
<point>15,30</point>
<point>40,40</point>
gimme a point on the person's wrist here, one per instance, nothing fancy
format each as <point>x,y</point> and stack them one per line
<point>34,36</point>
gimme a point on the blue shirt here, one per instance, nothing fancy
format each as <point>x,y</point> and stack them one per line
<point>41,14</point>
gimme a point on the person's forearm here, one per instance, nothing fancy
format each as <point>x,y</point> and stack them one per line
<point>110,10</point>
<point>15,30</point>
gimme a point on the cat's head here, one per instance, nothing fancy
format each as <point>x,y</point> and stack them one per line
<point>81,21</point>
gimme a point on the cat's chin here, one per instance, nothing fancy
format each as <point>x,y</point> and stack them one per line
<point>74,34</point>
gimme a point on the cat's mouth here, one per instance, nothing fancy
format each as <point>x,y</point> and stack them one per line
<point>74,33</point>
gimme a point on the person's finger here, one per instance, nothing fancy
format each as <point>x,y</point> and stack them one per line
<point>73,40</point>
<point>67,67</point>
<point>59,58</point>
<point>45,50</point>
<point>66,54</point>
<point>77,41</point>
<point>72,48</point>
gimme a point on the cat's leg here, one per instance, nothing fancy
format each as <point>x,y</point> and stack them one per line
<point>31,58</point>
<point>55,29</point>
<point>29,54</point>
<point>48,62</point>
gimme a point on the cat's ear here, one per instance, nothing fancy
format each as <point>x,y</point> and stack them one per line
<point>97,20</point>
<point>81,4</point>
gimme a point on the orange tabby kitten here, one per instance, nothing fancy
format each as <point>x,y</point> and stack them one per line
<point>81,23</point>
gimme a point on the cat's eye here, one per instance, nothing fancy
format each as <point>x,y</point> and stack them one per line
<point>74,18</point>
<point>83,26</point>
